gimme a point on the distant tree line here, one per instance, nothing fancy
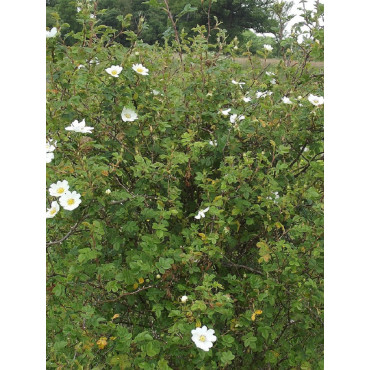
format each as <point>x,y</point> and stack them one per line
<point>236,15</point>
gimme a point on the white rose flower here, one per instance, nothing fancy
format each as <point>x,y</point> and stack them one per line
<point>286,100</point>
<point>273,81</point>
<point>139,68</point>
<point>58,189</point>
<point>316,100</point>
<point>108,191</point>
<point>69,201</point>
<point>50,145</point>
<point>276,196</point>
<point>201,213</point>
<point>81,66</point>
<point>49,157</point>
<point>94,61</point>
<point>268,47</point>
<point>128,115</point>
<point>260,94</point>
<point>247,99</point>
<point>270,73</point>
<point>237,83</point>
<point>226,112</point>
<point>51,33</point>
<point>114,70</point>
<point>53,210</point>
<point>80,127</point>
<point>235,117</point>
<point>203,338</point>
<point>92,16</point>
<point>155,92</point>
<point>213,143</point>
<point>78,9</point>
<point>184,298</point>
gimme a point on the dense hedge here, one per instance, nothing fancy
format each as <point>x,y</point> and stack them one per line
<point>121,262</point>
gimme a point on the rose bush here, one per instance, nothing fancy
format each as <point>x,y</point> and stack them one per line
<point>236,226</point>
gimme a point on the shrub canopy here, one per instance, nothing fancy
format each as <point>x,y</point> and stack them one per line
<point>119,263</point>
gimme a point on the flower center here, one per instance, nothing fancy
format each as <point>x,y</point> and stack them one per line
<point>127,115</point>
<point>140,70</point>
<point>315,101</point>
<point>70,201</point>
<point>114,72</point>
<point>202,338</point>
<point>60,191</point>
<point>52,211</point>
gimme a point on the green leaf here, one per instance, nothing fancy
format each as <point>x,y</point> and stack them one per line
<point>198,306</point>
<point>227,358</point>
<point>164,264</point>
<point>87,254</point>
<point>152,348</point>
<point>142,337</point>
<point>250,341</point>
<point>59,290</point>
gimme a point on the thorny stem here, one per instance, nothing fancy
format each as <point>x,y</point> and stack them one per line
<point>174,28</point>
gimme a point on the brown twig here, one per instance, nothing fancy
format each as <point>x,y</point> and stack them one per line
<point>230,263</point>
<point>126,293</point>
<point>70,232</point>
<point>167,9</point>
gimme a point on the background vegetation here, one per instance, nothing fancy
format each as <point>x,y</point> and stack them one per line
<point>252,268</point>
<point>236,16</point>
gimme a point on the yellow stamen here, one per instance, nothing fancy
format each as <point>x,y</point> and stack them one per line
<point>114,72</point>
<point>70,201</point>
<point>140,70</point>
<point>60,191</point>
<point>127,115</point>
<point>52,211</point>
<point>202,338</point>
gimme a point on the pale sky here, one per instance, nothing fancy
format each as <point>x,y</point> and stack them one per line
<point>309,6</point>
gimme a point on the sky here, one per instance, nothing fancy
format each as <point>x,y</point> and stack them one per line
<point>309,6</point>
<point>294,10</point>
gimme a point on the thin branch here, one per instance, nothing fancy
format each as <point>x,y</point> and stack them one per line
<point>124,294</point>
<point>174,28</point>
<point>70,232</point>
<point>209,19</point>
<point>299,154</point>
<point>230,263</point>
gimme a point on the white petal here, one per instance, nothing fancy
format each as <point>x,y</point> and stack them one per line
<point>212,338</point>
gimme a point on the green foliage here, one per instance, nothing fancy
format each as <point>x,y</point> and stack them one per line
<point>256,42</point>
<point>118,265</point>
<point>236,15</point>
